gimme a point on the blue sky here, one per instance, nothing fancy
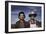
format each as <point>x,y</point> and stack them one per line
<point>26,9</point>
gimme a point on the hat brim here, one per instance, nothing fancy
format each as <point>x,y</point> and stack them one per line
<point>32,15</point>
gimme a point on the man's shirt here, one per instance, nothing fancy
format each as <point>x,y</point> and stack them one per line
<point>22,25</point>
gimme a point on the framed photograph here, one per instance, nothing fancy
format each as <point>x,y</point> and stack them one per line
<point>24,16</point>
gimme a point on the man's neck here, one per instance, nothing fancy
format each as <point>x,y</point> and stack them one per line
<point>21,21</point>
<point>32,21</point>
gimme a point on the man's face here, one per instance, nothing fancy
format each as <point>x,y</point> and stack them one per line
<point>32,17</point>
<point>21,16</point>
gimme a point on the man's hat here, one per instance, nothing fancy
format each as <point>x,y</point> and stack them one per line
<point>33,13</point>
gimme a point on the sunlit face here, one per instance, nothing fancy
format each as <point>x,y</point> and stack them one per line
<point>21,16</point>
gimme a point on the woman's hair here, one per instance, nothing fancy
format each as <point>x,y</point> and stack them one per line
<point>21,13</point>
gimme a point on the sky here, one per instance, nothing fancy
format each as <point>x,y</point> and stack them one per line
<point>27,10</point>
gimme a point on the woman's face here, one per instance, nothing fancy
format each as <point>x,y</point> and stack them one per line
<point>21,17</point>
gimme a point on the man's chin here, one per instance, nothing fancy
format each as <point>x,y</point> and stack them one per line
<point>22,19</point>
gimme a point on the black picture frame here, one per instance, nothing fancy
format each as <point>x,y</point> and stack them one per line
<point>6,16</point>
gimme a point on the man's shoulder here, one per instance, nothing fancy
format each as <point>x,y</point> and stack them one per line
<point>26,21</point>
<point>17,21</point>
<point>38,23</point>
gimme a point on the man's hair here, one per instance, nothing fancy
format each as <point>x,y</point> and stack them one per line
<point>21,13</point>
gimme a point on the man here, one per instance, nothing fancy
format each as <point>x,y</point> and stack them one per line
<point>34,23</point>
<point>21,23</point>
